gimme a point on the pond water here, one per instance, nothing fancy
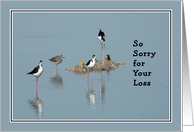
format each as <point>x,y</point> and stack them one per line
<point>111,94</point>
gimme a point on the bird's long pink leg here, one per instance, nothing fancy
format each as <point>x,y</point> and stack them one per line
<point>88,84</point>
<point>88,77</point>
<point>101,49</point>
<point>36,88</point>
<point>92,79</point>
<point>92,75</point>
<point>36,82</point>
<point>102,54</point>
<point>92,84</point>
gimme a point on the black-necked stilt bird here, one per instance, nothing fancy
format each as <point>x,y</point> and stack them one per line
<point>57,59</point>
<point>37,71</point>
<point>101,37</point>
<point>90,64</point>
<point>107,57</point>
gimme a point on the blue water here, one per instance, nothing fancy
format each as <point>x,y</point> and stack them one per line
<point>111,94</point>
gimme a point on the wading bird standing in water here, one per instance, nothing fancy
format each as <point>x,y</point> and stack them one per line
<point>90,64</point>
<point>57,59</point>
<point>101,37</point>
<point>37,71</point>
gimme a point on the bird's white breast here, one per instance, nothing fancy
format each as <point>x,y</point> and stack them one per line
<point>40,70</point>
<point>92,63</point>
<point>100,38</point>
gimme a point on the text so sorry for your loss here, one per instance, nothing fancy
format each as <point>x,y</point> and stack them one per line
<point>139,64</point>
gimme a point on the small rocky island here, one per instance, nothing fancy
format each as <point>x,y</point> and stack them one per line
<point>101,65</point>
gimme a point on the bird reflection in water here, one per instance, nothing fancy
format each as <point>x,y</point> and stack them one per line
<point>57,81</point>
<point>38,106</point>
<point>102,88</point>
<point>91,96</point>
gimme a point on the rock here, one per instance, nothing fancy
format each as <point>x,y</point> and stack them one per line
<point>102,65</point>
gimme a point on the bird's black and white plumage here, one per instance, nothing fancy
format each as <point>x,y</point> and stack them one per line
<point>37,71</point>
<point>101,36</point>
<point>91,63</point>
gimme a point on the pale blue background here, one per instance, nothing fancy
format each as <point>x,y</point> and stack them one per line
<point>75,36</point>
<point>42,30</point>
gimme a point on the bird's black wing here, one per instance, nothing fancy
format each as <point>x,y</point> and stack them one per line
<point>88,63</point>
<point>101,34</point>
<point>35,70</point>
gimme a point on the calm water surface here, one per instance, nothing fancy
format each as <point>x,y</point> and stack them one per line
<point>111,94</point>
